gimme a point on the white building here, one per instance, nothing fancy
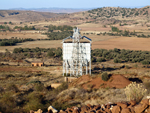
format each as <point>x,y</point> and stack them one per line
<point>76,55</point>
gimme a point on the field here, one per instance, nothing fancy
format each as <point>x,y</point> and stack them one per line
<point>30,87</point>
<point>104,42</point>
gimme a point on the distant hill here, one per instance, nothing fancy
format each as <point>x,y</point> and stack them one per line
<point>114,12</point>
<point>105,15</point>
<point>112,15</point>
<point>53,10</point>
<point>22,16</point>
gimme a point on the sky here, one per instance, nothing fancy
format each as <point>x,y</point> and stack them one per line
<point>8,4</point>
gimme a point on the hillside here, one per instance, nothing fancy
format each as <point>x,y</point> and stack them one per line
<point>22,16</point>
<point>105,15</point>
<point>53,10</point>
<point>115,12</point>
<point>111,15</point>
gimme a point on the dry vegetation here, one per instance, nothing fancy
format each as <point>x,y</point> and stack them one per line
<point>23,87</point>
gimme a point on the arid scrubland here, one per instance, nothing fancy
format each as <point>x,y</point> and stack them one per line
<point>120,56</point>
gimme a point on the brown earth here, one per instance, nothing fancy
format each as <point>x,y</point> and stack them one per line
<point>115,81</point>
<point>16,69</point>
<point>132,43</point>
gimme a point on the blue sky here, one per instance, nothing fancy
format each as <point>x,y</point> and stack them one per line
<point>7,4</point>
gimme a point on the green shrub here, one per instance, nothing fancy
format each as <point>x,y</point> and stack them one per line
<point>147,86</point>
<point>12,87</point>
<point>39,87</point>
<point>7,103</point>
<point>34,101</point>
<point>50,53</point>
<point>145,62</point>
<point>105,76</point>
<point>116,60</point>
<point>100,60</point>
<point>135,91</point>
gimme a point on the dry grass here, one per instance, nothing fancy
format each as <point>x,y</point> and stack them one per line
<point>33,44</point>
<point>131,43</point>
<point>135,91</point>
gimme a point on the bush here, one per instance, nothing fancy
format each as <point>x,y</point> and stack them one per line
<point>116,60</point>
<point>39,87</point>
<point>34,102</point>
<point>7,103</point>
<point>105,76</point>
<point>50,53</point>
<point>147,85</point>
<point>135,91</point>
<point>12,87</point>
<point>100,59</point>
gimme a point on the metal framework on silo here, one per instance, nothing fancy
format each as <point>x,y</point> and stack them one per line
<point>76,55</point>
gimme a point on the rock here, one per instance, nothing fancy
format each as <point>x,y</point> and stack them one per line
<point>147,110</point>
<point>51,108</point>
<point>125,110</point>
<point>89,105</point>
<point>99,111</point>
<point>140,108</point>
<point>116,109</point>
<point>75,111</point>
<point>91,111</point>
<point>148,97</point>
<point>111,107</point>
<point>97,107</point>
<point>82,112</point>
<point>85,108</point>
<point>122,105</point>
<point>133,102</point>
<point>69,110</point>
<point>108,106</point>
<point>31,111</point>
<point>39,111</point>
<point>63,111</point>
<point>131,109</point>
<point>108,110</point>
<point>103,107</point>
<point>146,101</point>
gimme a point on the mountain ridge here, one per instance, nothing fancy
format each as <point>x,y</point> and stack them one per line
<point>107,13</point>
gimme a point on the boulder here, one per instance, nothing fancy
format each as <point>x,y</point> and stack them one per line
<point>125,110</point>
<point>122,105</point>
<point>52,109</point>
<point>69,110</point>
<point>146,101</point>
<point>103,107</point>
<point>61,111</point>
<point>82,112</point>
<point>116,109</point>
<point>97,107</point>
<point>75,111</point>
<point>140,108</point>
<point>91,111</point>
<point>147,110</point>
<point>131,109</point>
<point>108,110</point>
<point>31,111</point>
<point>85,108</point>
<point>99,111</point>
<point>133,102</point>
<point>39,111</point>
<point>108,106</point>
<point>89,105</point>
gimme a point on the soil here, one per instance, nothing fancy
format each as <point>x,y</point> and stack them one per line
<point>131,43</point>
<point>115,81</point>
<point>24,69</point>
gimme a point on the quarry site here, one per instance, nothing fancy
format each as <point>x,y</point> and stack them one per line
<point>95,61</point>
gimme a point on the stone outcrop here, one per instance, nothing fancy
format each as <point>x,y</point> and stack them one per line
<point>119,107</point>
